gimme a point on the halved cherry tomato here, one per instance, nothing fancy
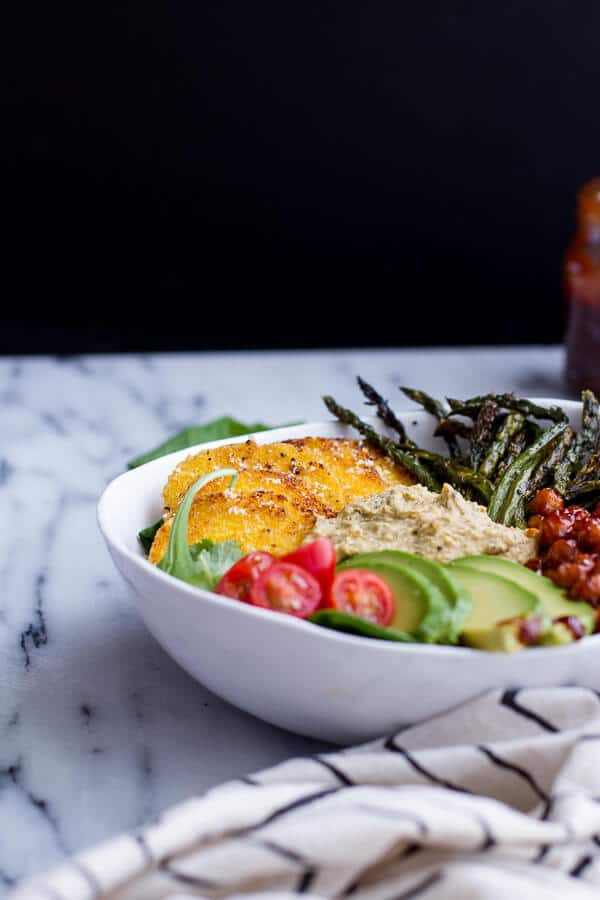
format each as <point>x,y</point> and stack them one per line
<point>318,558</point>
<point>285,587</point>
<point>363,594</point>
<point>243,574</point>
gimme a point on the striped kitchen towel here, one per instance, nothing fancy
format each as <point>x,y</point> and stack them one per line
<point>499,798</point>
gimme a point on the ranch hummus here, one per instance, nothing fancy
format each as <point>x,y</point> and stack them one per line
<point>441,526</point>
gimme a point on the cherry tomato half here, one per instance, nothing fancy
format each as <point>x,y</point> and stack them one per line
<point>243,574</point>
<point>318,558</point>
<point>285,587</point>
<point>364,594</point>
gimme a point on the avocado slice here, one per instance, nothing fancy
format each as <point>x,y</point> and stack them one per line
<point>557,635</point>
<point>554,601</point>
<point>504,638</point>
<point>457,598</point>
<point>421,609</point>
<point>497,602</point>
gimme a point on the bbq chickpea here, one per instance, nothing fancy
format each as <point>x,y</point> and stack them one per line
<point>561,551</point>
<point>546,501</point>
<point>557,524</point>
<point>587,533</point>
<point>587,588</point>
<point>567,574</point>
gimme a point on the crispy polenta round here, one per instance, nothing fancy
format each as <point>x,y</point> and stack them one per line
<point>347,468</point>
<point>251,480</point>
<point>335,470</point>
<point>260,520</point>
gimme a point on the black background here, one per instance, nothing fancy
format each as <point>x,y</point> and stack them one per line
<point>183,175</point>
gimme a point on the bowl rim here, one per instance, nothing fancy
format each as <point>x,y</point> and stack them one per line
<point>285,621</point>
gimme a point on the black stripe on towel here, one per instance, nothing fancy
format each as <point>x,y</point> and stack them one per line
<point>587,737</point>
<point>391,744</point>
<point>509,699</point>
<point>306,879</point>
<point>245,779</point>
<point>407,851</point>
<point>285,852</point>
<point>395,814</point>
<point>518,770</point>
<point>548,807</point>
<point>191,880</point>
<point>143,845</point>
<point>419,889</point>
<point>583,863</point>
<point>488,838</point>
<point>341,776</point>
<point>290,807</point>
<point>545,816</point>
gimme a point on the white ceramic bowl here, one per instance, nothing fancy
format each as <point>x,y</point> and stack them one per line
<point>308,679</point>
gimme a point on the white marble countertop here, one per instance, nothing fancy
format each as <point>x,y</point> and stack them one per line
<point>99,728</point>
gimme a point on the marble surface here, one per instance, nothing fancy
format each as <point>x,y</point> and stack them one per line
<point>99,729</point>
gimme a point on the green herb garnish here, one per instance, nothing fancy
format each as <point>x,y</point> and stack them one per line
<point>203,564</point>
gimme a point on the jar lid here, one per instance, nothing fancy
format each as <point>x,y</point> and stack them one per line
<point>588,202</point>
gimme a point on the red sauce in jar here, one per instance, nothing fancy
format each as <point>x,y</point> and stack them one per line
<point>582,289</point>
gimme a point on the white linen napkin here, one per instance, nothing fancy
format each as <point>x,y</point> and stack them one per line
<point>499,798</point>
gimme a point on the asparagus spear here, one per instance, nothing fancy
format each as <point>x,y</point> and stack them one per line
<point>584,493</point>
<point>419,462</point>
<point>384,411</point>
<point>435,407</point>
<point>483,432</point>
<point>581,461</point>
<point>519,442</point>
<point>440,411</point>
<point>447,428</point>
<point>507,504</point>
<point>544,473</point>
<point>402,457</point>
<point>470,483</point>
<point>472,406</point>
<point>508,429</point>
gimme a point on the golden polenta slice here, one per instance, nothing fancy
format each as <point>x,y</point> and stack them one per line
<point>281,483</point>
<point>347,468</point>
<point>335,470</point>
<point>260,520</point>
<point>281,489</point>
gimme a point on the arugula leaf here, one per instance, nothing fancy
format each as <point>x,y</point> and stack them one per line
<point>216,430</point>
<point>146,535</point>
<point>213,560</point>
<point>205,563</point>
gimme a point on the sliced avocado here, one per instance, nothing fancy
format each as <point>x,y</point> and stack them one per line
<point>421,609</point>
<point>502,638</point>
<point>456,596</point>
<point>496,602</point>
<point>555,602</point>
<point>557,635</point>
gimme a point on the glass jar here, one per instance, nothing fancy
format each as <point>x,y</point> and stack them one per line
<point>582,287</point>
